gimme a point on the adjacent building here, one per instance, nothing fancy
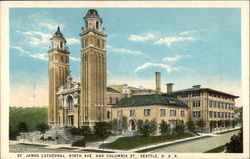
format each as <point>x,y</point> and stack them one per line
<point>206,103</point>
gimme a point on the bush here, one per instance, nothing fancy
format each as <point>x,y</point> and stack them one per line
<point>79,143</point>
<point>50,138</point>
<point>236,143</point>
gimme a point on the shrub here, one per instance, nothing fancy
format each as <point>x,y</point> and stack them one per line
<point>79,143</point>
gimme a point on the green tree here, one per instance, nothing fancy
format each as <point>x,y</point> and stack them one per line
<point>227,123</point>
<point>190,125</point>
<point>85,130</point>
<point>114,124</point>
<point>236,143</point>
<point>23,127</point>
<point>153,126</point>
<point>139,125</point>
<point>164,129</point>
<point>212,124</point>
<point>234,122</point>
<point>179,127</point>
<point>124,121</point>
<point>145,130</point>
<point>201,124</point>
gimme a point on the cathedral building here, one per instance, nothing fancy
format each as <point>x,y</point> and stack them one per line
<point>86,102</point>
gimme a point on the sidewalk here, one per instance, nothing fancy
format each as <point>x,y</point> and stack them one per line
<point>143,148</point>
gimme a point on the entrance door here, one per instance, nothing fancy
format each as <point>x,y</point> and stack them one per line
<point>132,124</point>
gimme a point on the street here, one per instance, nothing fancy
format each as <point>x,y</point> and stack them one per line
<point>200,145</point>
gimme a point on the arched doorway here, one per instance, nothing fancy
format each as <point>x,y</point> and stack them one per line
<point>69,102</point>
<point>132,125</point>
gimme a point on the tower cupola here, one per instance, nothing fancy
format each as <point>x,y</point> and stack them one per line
<point>58,41</point>
<point>93,20</point>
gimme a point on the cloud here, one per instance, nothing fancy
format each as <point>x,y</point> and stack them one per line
<point>74,58</point>
<point>40,56</point>
<point>21,50</point>
<point>37,38</point>
<point>71,41</point>
<point>169,40</point>
<point>188,32</point>
<point>173,59</point>
<point>141,38</point>
<point>149,64</point>
<point>51,26</point>
<point>124,51</point>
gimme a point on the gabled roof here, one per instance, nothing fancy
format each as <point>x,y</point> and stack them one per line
<point>109,89</point>
<point>201,89</point>
<point>152,99</point>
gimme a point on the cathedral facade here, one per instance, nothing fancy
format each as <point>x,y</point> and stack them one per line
<point>86,102</point>
<point>73,103</point>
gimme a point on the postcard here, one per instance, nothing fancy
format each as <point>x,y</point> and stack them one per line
<point>125,80</point>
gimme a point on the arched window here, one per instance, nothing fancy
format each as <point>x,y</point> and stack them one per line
<point>97,25</point>
<point>108,114</point>
<point>110,100</point>
<point>70,102</point>
<point>61,45</point>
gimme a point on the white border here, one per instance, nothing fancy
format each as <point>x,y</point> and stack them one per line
<point>244,5</point>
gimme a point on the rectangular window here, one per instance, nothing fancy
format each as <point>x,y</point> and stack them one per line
<point>210,103</point>
<point>215,114</point>
<point>222,114</point>
<point>119,113</point>
<point>196,103</point>
<point>194,114</point>
<point>210,114</point>
<point>182,113</point>
<point>222,105</point>
<point>147,112</point>
<point>162,112</point>
<point>229,115</point>
<point>225,114</point>
<point>218,114</point>
<point>214,103</point>
<point>172,112</point>
<point>195,94</point>
<point>131,113</point>
<point>219,104</point>
<point>232,115</point>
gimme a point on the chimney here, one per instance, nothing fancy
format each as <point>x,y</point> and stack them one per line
<point>196,86</point>
<point>169,87</point>
<point>158,82</point>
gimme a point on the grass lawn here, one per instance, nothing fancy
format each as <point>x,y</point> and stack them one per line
<point>126,143</point>
<point>217,149</point>
<point>88,138</point>
<point>93,138</point>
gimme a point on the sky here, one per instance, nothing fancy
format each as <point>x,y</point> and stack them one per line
<point>189,46</point>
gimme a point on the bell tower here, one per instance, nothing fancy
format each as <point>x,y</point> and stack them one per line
<point>58,72</point>
<point>93,69</point>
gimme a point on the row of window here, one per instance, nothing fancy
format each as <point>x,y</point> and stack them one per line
<point>220,96</point>
<point>220,105</point>
<point>221,114</point>
<point>196,114</point>
<point>147,112</point>
<point>196,103</point>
